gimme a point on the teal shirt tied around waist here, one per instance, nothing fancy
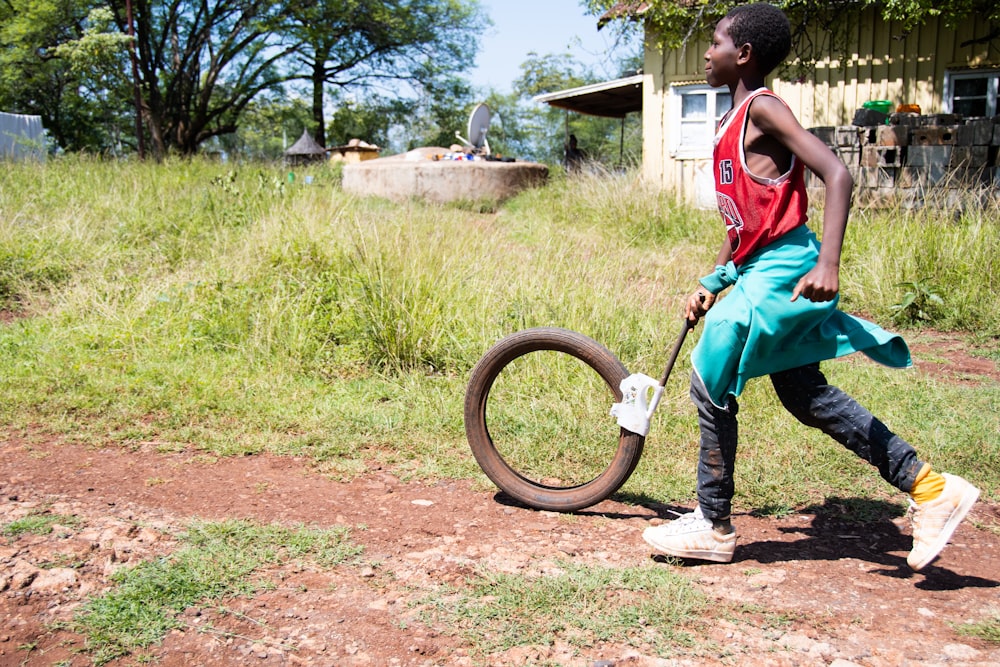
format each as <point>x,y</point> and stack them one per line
<point>757,329</point>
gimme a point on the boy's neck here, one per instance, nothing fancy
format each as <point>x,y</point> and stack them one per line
<point>744,86</point>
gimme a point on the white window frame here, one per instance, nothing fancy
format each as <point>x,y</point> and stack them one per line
<point>700,150</point>
<point>992,77</point>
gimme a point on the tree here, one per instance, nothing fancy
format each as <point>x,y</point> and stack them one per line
<point>201,62</point>
<point>352,43</point>
<point>441,110</point>
<point>98,61</point>
<point>525,129</point>
<point>268,125</point>
<point>36,77</point>
<point>371,119</point>
<point>676,22</point>
<point>537,131</point>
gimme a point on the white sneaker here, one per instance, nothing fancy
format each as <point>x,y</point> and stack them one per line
<point>691,536</point>
<point>935,521</point>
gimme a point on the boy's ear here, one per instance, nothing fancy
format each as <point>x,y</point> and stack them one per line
<point>743,54</point>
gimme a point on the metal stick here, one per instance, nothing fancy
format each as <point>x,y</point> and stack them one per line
<point>687,326</point>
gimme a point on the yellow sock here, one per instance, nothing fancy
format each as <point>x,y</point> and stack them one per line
<point>927,486</point>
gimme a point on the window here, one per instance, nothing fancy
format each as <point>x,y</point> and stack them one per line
<point>972,93</point>
<point>697,110</point>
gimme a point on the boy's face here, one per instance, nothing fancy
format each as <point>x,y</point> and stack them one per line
<point>721,57</point>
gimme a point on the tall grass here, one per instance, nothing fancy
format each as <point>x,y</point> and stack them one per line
<point>948,253</point>
<point>224,308</point>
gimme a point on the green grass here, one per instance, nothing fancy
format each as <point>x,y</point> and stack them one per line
<point>37,523</point>
<point>548,418</point>
<point>650,608</point>
<point>987,629</point>
<point>222,309</point>
<point>941,254</point>
<point>220,560</point>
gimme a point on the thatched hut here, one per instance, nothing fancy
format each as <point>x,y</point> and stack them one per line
<point>305,150</point>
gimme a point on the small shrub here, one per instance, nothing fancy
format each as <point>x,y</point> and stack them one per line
<point>919,302</point>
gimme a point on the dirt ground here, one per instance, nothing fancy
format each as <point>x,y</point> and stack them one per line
<point>826,591</point>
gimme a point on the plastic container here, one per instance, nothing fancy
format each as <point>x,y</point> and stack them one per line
<point>882,106</point>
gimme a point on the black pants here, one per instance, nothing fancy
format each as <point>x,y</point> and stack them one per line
<point>805,393</point>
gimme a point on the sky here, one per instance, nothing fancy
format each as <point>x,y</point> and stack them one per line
<point>543,26</point>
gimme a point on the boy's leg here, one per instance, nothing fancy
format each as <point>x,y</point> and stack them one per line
<point>706,533</point>
<point>717,454</point>
<point>805,393</point>
<point>942,500</point>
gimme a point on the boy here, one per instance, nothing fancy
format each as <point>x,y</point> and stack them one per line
<point>781,318</point>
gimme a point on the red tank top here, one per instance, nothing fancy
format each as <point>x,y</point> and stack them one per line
<point>756,210</point>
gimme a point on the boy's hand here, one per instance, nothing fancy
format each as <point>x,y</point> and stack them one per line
<point>820,284</point>
<point>698,304</point>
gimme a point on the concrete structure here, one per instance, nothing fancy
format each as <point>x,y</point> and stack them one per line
<point>354,151</point>
<point>419,174</point>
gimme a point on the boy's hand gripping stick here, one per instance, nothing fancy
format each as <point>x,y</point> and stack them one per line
<point>638,404</point>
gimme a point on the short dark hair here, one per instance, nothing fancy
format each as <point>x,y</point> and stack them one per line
<point>765,28</point>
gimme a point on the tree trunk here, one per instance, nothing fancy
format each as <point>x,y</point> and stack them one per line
<point>156,137</point>
<point>319,133</point>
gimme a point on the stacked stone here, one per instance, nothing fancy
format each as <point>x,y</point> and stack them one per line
<point>901,157</point>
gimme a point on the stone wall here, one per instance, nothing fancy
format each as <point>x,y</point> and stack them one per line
<point>912,159</point>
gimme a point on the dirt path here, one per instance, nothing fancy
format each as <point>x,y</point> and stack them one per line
<point>806,589</point>
<point>844,590</point>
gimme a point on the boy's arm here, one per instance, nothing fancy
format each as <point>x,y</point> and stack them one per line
<point>773,118</point>
<point>725,252</point>
<point>702,299</point>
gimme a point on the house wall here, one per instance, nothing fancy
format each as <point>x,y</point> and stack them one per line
<point>885,64</point>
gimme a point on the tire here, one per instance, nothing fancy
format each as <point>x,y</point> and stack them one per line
<point>537,420</point>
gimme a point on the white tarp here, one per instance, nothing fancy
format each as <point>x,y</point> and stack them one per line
<point>21,137</point>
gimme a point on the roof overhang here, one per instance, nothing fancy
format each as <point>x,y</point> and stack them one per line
<point>611,99</point>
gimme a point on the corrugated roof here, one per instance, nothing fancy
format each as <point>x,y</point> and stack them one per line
<point>611,99</point>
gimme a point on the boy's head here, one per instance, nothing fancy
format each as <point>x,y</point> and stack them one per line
<point>766,29</point>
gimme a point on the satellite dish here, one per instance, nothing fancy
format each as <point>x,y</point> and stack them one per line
<point>479,123</point>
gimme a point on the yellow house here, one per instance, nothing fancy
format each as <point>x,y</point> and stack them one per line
<point>939,69</point>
